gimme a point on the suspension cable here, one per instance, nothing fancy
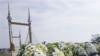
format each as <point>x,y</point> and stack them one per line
<point>26,38</point>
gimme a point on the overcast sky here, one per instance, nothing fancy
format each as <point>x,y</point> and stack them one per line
<point>52,20</point>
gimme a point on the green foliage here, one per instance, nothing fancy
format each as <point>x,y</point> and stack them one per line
<point>50,47</point>
<point>98,48</point>
<point>60,53</point>
<point>56,44</point>
<point>96,38</point>
<point>42,47</point>
<point>23,46</point>
<point>83,46</point>
<point>21,50</point>
<point>67,51</point>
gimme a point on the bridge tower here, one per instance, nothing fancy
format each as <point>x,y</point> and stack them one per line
<point>10,23</point>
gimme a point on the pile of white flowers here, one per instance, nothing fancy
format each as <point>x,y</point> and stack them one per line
<point>59,49</point>
<point>79,51</point>
<point>57,52</point>
<point>91,49</point>
<point>35,50</point>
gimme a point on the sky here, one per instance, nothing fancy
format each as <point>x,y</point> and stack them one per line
<point>52,20</point>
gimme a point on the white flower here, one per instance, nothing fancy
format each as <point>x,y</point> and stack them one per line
<point>61,45</point>
<point>90,48</point>
<point>79,50</point>
<point>39,53</point>
<point>58,52</point>
<point>37,50</point>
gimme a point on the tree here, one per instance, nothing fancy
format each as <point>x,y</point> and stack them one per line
<point>96,38</point>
